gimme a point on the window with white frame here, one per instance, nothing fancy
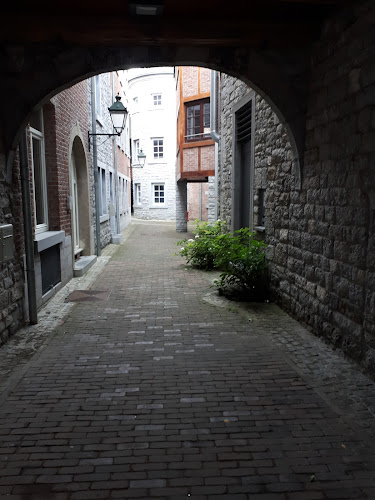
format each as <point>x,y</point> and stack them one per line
<point>102,185</point>
<point>156,100</point>
<point>158,194</point>
<point>126,203</point>
<point>158,148</point>
<point>137,194</point>
<point>97,94</point>
<point>111,194</point>
<point>39,172</point>
<point>135,150</point>
<point>124,193</point>
<point>119,192</point>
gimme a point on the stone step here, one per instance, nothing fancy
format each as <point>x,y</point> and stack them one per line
<point>83,264</point>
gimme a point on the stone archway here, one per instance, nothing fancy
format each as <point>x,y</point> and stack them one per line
<point>82,243</point>
<point>280,80</point>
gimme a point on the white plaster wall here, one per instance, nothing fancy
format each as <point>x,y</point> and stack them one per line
<point>148,122</point>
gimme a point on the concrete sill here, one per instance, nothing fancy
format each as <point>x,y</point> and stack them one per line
<point>104,218</point>
<point>48,239</point>
<point>260,229</point>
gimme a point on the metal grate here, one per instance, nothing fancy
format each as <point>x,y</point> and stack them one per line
<point>88,296</point>
<point>51,270</point>
<point>243,123</point>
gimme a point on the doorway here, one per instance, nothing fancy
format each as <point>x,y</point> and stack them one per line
<point>79,201</point>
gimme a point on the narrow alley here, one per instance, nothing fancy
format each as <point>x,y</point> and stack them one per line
<point>152,387</point>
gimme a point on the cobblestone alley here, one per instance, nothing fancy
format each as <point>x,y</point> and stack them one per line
<point>151,387</point>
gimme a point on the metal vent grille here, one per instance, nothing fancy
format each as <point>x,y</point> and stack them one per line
<point>243,123</point>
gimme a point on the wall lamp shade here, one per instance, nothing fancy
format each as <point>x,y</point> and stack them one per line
<point>141,158</point>
<point>146,8</point>
<point>118,114</point>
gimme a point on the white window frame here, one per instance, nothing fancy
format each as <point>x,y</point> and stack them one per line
<point>155,203</point>
<point>156,143</point>
<point>39,136</point>
<point>102,189</point>
<point>98,98</point>
<point>126,197</point>
<point>135,151</point>
<point>157,100</point>
<point>137,194</point>
<point>123,194</point>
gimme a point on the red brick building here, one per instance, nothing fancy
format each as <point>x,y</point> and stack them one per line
<point>62,183</point>
<point>195,148</point>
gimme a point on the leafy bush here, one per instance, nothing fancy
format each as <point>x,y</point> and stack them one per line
<point>243,264</point>
<point>201,251</point>
<point>238,255</point>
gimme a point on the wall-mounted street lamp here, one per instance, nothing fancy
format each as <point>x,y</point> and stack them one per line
<point>118,114</point>
<point>141,158</point>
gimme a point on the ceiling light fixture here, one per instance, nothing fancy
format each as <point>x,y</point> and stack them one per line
<point>146,8</point>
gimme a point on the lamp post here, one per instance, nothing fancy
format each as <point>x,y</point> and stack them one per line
<point>118,114</point>
<point>141,158</point>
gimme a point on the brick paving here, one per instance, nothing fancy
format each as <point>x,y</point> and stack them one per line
<point>154,390</point>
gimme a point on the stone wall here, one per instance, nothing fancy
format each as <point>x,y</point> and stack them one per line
<point>321,237</point>
<point>11,272</point>
<point>338,187</point>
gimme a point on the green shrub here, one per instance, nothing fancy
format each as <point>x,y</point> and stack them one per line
<point>242,261</point>
<point>201,251</point>
<point>239,255</point>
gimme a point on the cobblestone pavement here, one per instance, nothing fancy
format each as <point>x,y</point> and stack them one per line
<point>156,388</point>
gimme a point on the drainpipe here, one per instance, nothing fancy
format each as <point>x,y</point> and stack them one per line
<point>95,163</point>
<point>115,168</point>
<point>200,201</point>
<point>28,229</point>
<point>214,134</point>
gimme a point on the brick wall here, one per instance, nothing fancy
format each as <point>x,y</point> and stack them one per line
<point>208,158</point>
<point>190,159</point>
<point>205,80</point>
<point>66,110</point>
<point>190,81</point>
<point>197,196</point>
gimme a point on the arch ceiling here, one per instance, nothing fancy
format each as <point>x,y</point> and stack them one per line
<point>47,46</point>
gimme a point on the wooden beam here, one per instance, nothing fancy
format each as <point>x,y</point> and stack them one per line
<point>198,144</point>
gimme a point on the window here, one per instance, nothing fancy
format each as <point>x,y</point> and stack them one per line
<point>158,194</point>
<point>158,145</point>
<point>156,99</point>
<point>135,150</point>
<point>198,120</point>
<point>111,187</point>
<point>125,191</point>
<point>97,93</point>
<point>39,172</point>
<point>137,194</point>
<point>102,188</point>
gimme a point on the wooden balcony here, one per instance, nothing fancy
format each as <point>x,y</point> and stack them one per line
<point>196,161</point>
